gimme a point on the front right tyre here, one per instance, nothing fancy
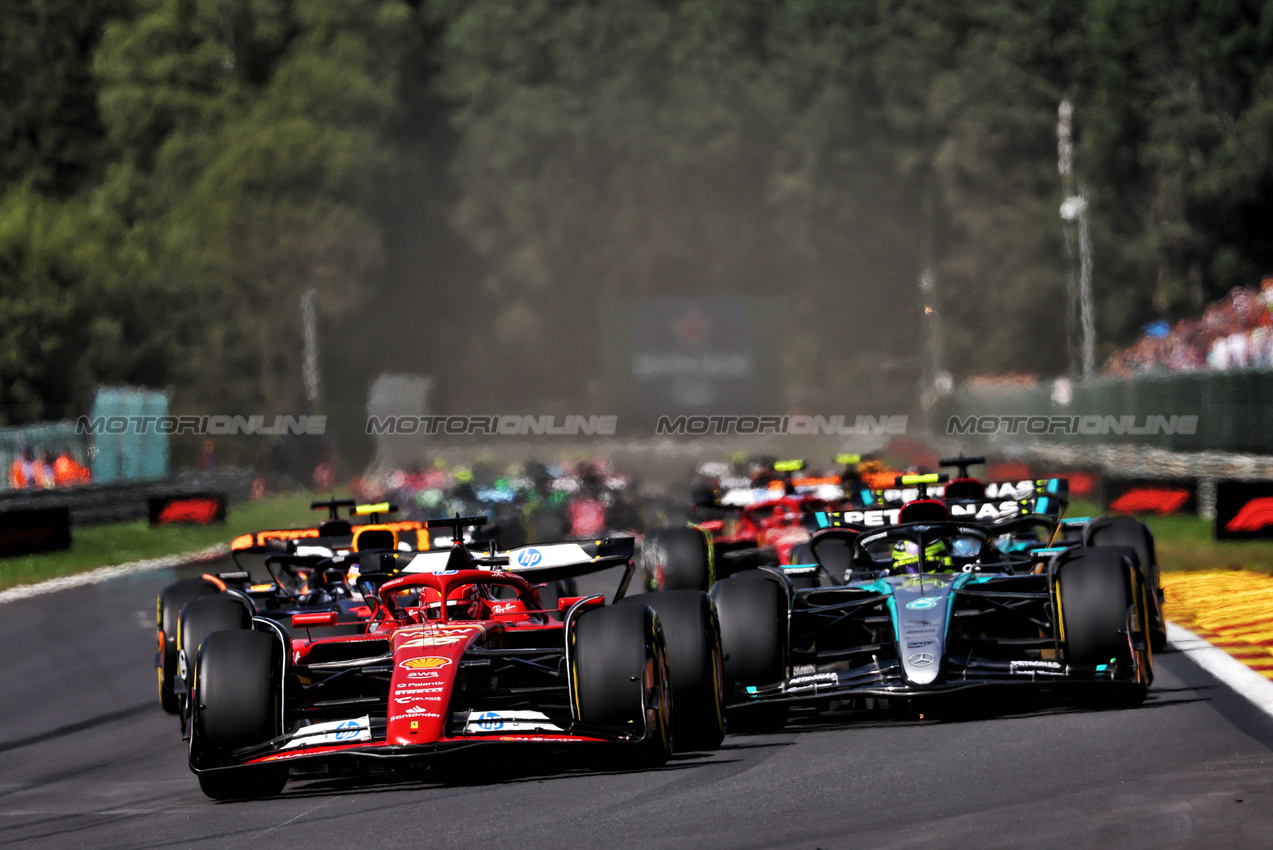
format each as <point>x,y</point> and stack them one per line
<point>237,698</point>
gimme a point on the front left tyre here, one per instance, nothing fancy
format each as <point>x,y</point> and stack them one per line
<point>753,610</point>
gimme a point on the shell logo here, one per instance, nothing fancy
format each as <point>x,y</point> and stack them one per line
<point>428,662</point>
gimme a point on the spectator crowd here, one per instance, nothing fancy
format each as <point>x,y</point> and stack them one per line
<point>31,471</point>
<point>1235,332</point>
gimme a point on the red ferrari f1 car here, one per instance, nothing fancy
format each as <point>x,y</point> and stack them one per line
<point>301,578</point>
<point>456,654</point>
<point>763,525</point>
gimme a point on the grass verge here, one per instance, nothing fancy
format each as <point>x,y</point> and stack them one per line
<point>1182,542</point>
<point>119,543</point>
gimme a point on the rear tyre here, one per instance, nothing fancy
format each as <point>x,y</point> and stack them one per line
<point>167,614</point>
<point>238,690</point>
<point>692,633</point>
<point>683,564</point>
<point>753,626</point>
<point>1125,531</point>
<point>201,618</point>
<point>1095,593</point>
<point>621,675</point>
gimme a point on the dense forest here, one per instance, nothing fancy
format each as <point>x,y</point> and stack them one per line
<point>462,182</point>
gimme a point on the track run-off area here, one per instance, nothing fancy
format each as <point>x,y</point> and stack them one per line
<point>1231,609</point>
<point>88,759</point>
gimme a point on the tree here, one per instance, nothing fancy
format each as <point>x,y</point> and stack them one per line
<point>250,140</point>
<point>1178,141</point>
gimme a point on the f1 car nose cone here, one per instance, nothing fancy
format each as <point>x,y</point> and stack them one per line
<point>922,603</point>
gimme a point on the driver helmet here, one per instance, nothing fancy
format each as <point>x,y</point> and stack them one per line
<point>466,603</point>
<point>906,556</point>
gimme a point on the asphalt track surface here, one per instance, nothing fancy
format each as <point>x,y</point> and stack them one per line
<point>88,759</point>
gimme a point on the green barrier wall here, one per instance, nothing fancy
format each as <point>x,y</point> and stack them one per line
<point>1234,409</point>
<point>138,453</point>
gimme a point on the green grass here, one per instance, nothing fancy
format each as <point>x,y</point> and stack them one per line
<point>1187,543</point>
<point>118,543</point>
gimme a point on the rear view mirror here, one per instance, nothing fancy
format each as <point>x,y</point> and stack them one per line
<point>833,550</point>
<point>564,602</point>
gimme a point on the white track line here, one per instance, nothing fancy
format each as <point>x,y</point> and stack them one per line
<point>1224,667</point>
<point>53,585</point>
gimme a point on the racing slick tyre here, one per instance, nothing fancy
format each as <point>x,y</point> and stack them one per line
<point>238,691</point>
<point>202,617</point>
<point>692,633</point>
<point>1095,600</point>
<point>1125,531</point>
<point>168,607</point>
<point>621,676</point>
<point>740,561</point>
<point>753,625</point>
<point>681,561</point>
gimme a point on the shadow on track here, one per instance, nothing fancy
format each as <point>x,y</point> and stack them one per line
<point>849,719</point>
<point>441,776</point>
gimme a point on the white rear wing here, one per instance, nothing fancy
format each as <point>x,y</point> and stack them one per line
<point>542,561</point>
